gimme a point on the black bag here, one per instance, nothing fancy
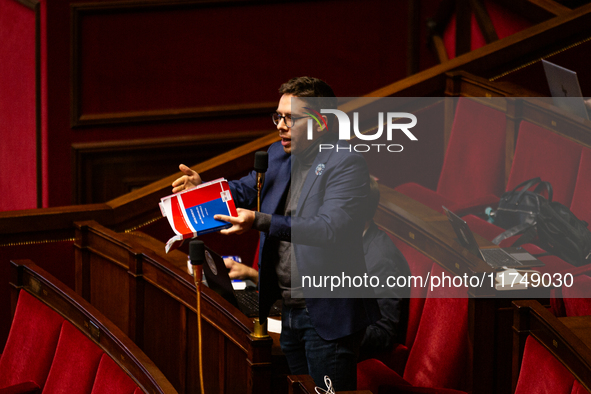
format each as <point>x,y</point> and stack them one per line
<point>562,234</point>
<point>550,224</point>
<point>521,206</point>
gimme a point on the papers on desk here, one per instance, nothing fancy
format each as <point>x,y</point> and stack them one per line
<point>512,279</point>
<point>273,325</point>
<point>238,284</point>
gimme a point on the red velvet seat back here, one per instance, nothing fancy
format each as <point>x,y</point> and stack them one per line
<point>581,203</point>
<point>419,265</point>
<point>75,364</point>
<point>541,372</point>
<point>574,299</point>
<point>440,354</point>
<point>540,152</point>
<point>46,349</point>
<point>31,344</point>
<point>111,379</point>
<point>577,298</point>
<point>372,373</point>
<point>578,388</point>
<point>474,163</point>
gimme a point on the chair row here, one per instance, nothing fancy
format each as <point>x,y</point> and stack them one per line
<point>549,356</point>
<point>436,354</point>
<point>472,175</point>
<point>60,343</point>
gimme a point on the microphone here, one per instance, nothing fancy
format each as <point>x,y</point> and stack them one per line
<point>261,163</point>
<point>197,256</point>
<point>197,252</point>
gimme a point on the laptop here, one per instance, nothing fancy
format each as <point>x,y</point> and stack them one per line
<point>217,278</point>
<point>564,83</point>
<point>497,258</point>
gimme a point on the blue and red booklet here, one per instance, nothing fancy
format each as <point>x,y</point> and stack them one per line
<point>190,212</point>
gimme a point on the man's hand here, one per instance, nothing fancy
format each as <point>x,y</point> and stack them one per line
<point>240,224</point>
<point>241,271</point>
<point>187,181</point>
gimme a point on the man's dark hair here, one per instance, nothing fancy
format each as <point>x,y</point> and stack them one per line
<point>307,87</point>
<point>312,87</point>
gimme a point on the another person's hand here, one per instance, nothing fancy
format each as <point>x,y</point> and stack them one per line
<point>187,181</point>
<point>241,271</point>
<point>240,224</point>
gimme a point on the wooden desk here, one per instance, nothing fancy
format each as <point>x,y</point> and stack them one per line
<point>151,296</point>
<point>580,326</point>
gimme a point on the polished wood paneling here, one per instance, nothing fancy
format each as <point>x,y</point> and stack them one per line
<point>102,171</point>
<point>162,313</point>
<point>177,25</point>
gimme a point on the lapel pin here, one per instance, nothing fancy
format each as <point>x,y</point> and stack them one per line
<point>320,168</point>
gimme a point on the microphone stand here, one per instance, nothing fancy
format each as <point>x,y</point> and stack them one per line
<point>197,256</point>
<point>260,182</point>
<point>261,163</point>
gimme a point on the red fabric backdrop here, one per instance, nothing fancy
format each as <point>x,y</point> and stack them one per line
<point>17,107</point>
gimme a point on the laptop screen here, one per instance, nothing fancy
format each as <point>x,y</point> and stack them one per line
<point>565,89</point>
<point>464,234</point>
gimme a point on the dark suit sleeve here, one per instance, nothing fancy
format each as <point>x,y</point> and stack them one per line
<point>244,191</point>
<point>245,196</point>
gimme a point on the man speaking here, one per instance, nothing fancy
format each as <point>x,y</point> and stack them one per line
<point>320,196</point>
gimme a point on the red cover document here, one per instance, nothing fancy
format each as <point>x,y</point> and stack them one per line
<point>190,212</point>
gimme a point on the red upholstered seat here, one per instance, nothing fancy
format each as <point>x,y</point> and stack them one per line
<point>542,373</point>
<point>31,343</point>
<point>373,375</point>
<point>75,363</point>
<point>419,265</point>
<point>22,388</point>
<point>473,168</point>
<point>439,357</point>
<point>46,351</point>
<point>581,202</point>
<point>540,152</point>
<point>110,378</point>
<point>578,388</point>
<point>575,299</point>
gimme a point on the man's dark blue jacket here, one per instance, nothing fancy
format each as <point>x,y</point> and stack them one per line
<point>325,232</point>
